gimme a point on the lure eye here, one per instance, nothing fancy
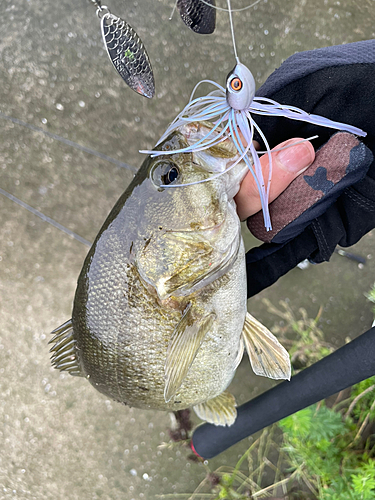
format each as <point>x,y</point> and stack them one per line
<point>240,88</point>
<point>171,174</point>
<point>236,84</point>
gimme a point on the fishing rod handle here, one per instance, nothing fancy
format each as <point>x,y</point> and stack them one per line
<point>347,366</point>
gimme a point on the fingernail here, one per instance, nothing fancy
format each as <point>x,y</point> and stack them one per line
<point>296,159</point>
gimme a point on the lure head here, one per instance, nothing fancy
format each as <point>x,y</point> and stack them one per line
<point>240,87</point>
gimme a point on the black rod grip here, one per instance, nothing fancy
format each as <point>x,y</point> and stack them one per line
<point>347,366</point>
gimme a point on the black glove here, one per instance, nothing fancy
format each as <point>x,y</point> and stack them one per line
<point>338,83</point>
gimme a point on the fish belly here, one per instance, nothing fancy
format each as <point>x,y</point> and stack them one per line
<point>221,350</point>
<point>123,343</point>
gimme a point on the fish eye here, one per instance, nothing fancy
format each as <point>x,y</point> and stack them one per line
<point>164,172</point>
<point>171,174</point>
<point>235,84</point>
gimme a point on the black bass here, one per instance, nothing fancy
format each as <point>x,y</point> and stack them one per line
<point>160,313</point>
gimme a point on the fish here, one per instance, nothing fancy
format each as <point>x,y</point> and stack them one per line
<point>160,317</point>
<point>199,16</point>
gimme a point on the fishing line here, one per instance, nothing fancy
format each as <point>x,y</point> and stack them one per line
<point>173,10</point>
<point>232,31</point>
<point>227,10</point>
<point>53,223</point>
<point>56,224</point>
<point>68,142</point>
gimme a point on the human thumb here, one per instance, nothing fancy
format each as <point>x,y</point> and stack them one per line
<point>287,164</point>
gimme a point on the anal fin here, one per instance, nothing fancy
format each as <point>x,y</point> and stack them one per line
<point>64,356</point>
<point>218,411</point>
<point>183,348</point>
<point>268,357</point>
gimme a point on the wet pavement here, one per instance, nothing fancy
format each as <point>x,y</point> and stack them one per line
<point>59,438</point>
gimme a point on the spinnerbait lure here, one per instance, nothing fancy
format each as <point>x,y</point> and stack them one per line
<point>230,112</point>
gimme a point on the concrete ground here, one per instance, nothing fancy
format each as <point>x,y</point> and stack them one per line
<point>59,438</point>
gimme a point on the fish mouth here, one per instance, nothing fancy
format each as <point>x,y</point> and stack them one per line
<point>222,158</point>
<point>195,131</point>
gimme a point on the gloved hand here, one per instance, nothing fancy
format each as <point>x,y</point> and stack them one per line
<point>338,83</point>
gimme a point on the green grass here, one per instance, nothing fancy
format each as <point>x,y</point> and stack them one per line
<point>324,452</point>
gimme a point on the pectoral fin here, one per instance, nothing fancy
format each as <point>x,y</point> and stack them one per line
<point>183,348</point>
<point>268,357</point>
<point>219,411</point>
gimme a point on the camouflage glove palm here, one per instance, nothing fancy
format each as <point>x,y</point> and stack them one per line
<point>333,202</point>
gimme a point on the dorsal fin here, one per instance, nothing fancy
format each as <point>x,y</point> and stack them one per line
<point>64,355</point>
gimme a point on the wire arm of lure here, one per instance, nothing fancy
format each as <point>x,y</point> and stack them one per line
<point>173,11</point>
<point>97,4</point>
<point>231,10</point>
<point>101,10</point>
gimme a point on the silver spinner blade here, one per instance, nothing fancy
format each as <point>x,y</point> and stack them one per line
<point>128,55</point>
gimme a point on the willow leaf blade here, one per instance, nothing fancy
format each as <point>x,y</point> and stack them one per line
<point>128,54</point>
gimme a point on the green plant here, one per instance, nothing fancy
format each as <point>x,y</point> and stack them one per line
<point>371,297</point>
<point>245,479</point>
<point>301,335</point>
<point>371,294</point>
<point>364,481</point>
<point>324,444</point>
<point>318,455</point>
